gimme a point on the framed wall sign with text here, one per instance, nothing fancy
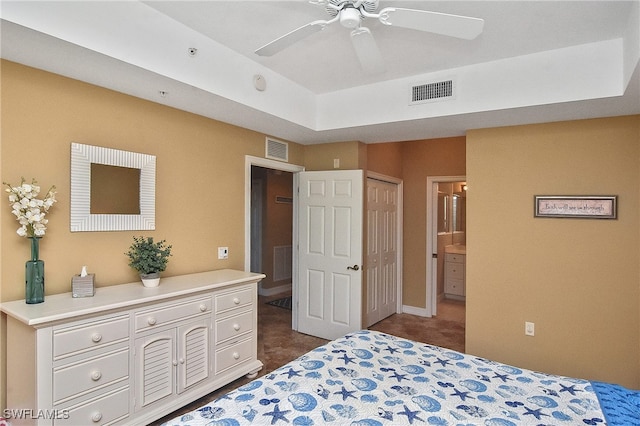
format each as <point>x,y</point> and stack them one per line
<point>568,206</point>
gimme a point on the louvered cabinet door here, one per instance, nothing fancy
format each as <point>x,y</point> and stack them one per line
<point>193,353</point>
<point>155,367</point>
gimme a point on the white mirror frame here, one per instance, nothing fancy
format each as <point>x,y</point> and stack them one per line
<point>81,219</point>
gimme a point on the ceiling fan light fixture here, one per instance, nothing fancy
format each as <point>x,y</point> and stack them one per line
<point>350,17</point>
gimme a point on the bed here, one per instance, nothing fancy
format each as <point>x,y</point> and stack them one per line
<point>370,378</point>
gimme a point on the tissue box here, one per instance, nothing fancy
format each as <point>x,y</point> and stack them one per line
<point>82,286</point>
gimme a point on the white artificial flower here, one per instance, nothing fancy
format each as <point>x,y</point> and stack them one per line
<point>29,210</point>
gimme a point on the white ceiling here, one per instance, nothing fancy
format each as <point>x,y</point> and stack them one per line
<point>536,61</point>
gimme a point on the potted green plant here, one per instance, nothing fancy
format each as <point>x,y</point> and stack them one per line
<point>149,258</point>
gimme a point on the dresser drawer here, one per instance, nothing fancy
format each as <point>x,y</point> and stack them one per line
<point>70,340</point>
<point>74,379</point>
<point>235,299</point>
<point>99,411</point>
<point>455,287</point>
<point>456,258</point>
<point>233,355</point>
<point>235,325</point>
<point>454,271</point>
<point>152,318</point>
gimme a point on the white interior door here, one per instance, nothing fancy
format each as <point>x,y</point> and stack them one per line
<point>382,250</point>
<point>330,212</point>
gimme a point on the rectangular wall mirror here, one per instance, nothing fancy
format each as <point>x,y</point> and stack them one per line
<point>111,189</point>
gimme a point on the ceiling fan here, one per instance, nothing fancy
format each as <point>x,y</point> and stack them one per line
<point>351,14</point>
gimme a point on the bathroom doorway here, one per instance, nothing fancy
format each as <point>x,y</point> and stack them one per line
<point>446,231</point>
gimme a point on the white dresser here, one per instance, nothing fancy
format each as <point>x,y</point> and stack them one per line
<point>130,354</point>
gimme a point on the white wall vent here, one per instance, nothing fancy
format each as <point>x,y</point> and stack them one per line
<point>431,92</point>
<point>277,150</point>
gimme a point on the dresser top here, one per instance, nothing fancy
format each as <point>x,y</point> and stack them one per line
<point>63,306</point>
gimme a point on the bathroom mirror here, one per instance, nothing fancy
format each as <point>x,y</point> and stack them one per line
<point>111,189</point>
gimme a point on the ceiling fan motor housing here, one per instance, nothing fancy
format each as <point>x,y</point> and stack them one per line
<point>350,17</point>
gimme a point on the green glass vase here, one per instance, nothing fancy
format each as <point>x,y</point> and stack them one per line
<point>34,274</point>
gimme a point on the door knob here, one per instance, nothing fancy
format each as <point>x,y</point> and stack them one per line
<point>354,267</point>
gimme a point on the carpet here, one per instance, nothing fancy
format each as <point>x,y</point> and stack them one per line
<point>285,303</point>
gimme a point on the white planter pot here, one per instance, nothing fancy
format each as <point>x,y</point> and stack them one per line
<point>150,280</point>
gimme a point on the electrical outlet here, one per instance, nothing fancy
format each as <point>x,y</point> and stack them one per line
<point>336,163</point>
<point>529,328</point>
<point>223,252</point>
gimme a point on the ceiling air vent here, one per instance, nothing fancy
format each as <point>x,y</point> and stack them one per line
<point>277,150</point>
<point>430,92</point>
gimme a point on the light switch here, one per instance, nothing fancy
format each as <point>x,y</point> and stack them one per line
<point>529,328</point>
<point>223,252</point>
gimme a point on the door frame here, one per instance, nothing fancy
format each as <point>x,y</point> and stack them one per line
<point>431,273</point>
<point>399,231</point>
<point>256,204</point>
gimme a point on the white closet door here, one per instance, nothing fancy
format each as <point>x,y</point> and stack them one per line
<point>382,250</point>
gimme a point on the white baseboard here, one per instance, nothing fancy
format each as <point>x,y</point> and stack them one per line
<point>273,290</point>
<point>454,297</point>
<point>421,312</point>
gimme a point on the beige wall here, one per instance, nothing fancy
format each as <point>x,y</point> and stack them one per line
<point>321,156</point>
<point>385,158</point>
<point>421,159</point>
<point>576,279</point>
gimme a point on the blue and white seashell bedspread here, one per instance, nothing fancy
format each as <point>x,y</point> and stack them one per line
<point>370,378</point>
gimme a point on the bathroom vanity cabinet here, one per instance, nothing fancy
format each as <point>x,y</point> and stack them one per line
<point>130,354</point>
<point>454,273</point>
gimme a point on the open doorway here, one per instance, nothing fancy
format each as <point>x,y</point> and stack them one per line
<point>272,229</point>
<point>267,253</point>
<point>446,240</point>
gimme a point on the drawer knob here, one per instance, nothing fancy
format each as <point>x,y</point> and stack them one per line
<point>236,355</point>
<point>181,360</point>
<point>236,327</point>
<point>203,307</point>
<point>96,417</point>
<point>236,300</point>
<point>96,337</point>
<point>96,375</point>
<point>151,321</point>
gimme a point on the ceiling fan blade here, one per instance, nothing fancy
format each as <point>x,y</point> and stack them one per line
<point>367,51</point>
<point>290,38</point>
<point>464,27</point>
